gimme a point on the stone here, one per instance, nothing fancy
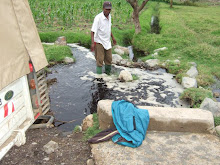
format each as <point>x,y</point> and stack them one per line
<point>212,106</point>
<point>60,41</point>
<point>119,51</point>
<point>165,118</point>
<point>152,63</point>
<point>90,162</point>
<point>125,76</point>
<point>192,72</point>
<point>216,94</point>
<point>176,61</point>
<point>160,49</point>
<point>68,60</point>
<point>50,147</point>
<point>193,64</point>
<point>87,122</point>
<point>188,82</point>
<point>217,128</point>
<point>123,62</point>
<point>46,159</point>
<point>124,49</point>
<point>116,58</point>
<point>105,114</point>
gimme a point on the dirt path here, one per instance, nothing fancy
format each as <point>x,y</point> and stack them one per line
<point>72,149</point>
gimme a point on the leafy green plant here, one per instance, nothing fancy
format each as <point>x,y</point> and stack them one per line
<point>135,77</point>
<point>92,131</point>
<point>217,121</point>
<point>196,95</point>
<point>77,129</point>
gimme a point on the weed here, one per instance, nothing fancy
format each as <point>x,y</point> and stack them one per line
<point>92,131</point>
<point>195,96</point>
<point>217,121</point>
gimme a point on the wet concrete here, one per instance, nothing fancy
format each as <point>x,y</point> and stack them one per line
<point>78,88</point>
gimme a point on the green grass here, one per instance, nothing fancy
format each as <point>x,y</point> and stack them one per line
<point>195,96</point>
<point>189,32</point>
<point>92,131</point>
<point>57,53</point>
<point>217,121</point>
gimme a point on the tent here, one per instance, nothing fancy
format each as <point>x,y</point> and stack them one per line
<point>19,41</point>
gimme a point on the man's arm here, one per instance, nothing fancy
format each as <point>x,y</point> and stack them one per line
<point>93,43</point>
<point>113,39</point>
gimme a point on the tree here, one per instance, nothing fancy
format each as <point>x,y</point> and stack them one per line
<point>136,11</point>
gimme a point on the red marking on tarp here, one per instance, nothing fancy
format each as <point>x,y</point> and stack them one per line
<point>6,110</point>
<point>13,107</point>
<point>37,115</point>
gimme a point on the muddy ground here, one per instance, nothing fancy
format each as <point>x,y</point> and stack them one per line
<point>73,150</point>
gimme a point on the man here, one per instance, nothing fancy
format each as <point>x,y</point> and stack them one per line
<point>100,36</point>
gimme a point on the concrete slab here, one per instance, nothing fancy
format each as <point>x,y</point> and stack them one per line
<point>162,148</point>
<point>165,118</point>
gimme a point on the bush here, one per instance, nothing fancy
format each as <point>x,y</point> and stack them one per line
<point>92,131</point>
<point>195,96</point>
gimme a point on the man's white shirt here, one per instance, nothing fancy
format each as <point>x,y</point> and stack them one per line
<point>102,30</point>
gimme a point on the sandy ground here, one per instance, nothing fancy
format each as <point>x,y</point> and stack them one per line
<point>72,149</point>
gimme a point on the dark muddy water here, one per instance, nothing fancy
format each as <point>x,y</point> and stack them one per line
<point>77,90</point>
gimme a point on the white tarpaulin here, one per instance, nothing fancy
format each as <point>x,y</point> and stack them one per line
<point>19,41</point>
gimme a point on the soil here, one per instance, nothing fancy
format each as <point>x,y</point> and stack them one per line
<point>72,149</point>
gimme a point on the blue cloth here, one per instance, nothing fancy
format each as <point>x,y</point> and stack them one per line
<point>131,122</point>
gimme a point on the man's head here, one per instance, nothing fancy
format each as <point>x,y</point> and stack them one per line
<point>107,6</point>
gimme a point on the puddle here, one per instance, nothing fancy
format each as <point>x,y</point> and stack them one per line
<point>78,88</point>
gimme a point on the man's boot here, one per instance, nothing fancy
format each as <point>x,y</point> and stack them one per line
<point>108,69</point>
<point>99,69</point>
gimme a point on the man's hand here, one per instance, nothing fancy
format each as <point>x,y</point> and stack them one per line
<point>114,41</point>
<point>93,47</point>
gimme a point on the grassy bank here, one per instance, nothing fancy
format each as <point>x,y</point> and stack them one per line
<point>190,33</point>
<point>56,53</point>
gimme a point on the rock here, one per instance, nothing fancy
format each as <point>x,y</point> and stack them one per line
<point>46,159</point>
<point>188,82</point>
<point>139,60</point>
<point>212,106</point>
<point>61,41</point>
<point>50,147</point>
<point>116,58</point>
<point>176,61</point>
<point>155,54</point>
<point>165,118</point>
<point>152,63</point>
<point>160,49</point>
<point>87,122</point>
<point>192,72</point>
<point>193,64</point>
<point>90,162</point>
<point>123,62</point>
<point>124,49</point>
<point>119,51</point>
<point>105,114</point>
<point>125,76</point>
<point>218,129</point>
<point>216,94</point>
<point>68,60</point>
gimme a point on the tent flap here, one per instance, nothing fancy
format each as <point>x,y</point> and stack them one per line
<point>19,41</point>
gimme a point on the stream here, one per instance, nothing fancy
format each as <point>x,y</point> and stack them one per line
<point>78,89</point>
